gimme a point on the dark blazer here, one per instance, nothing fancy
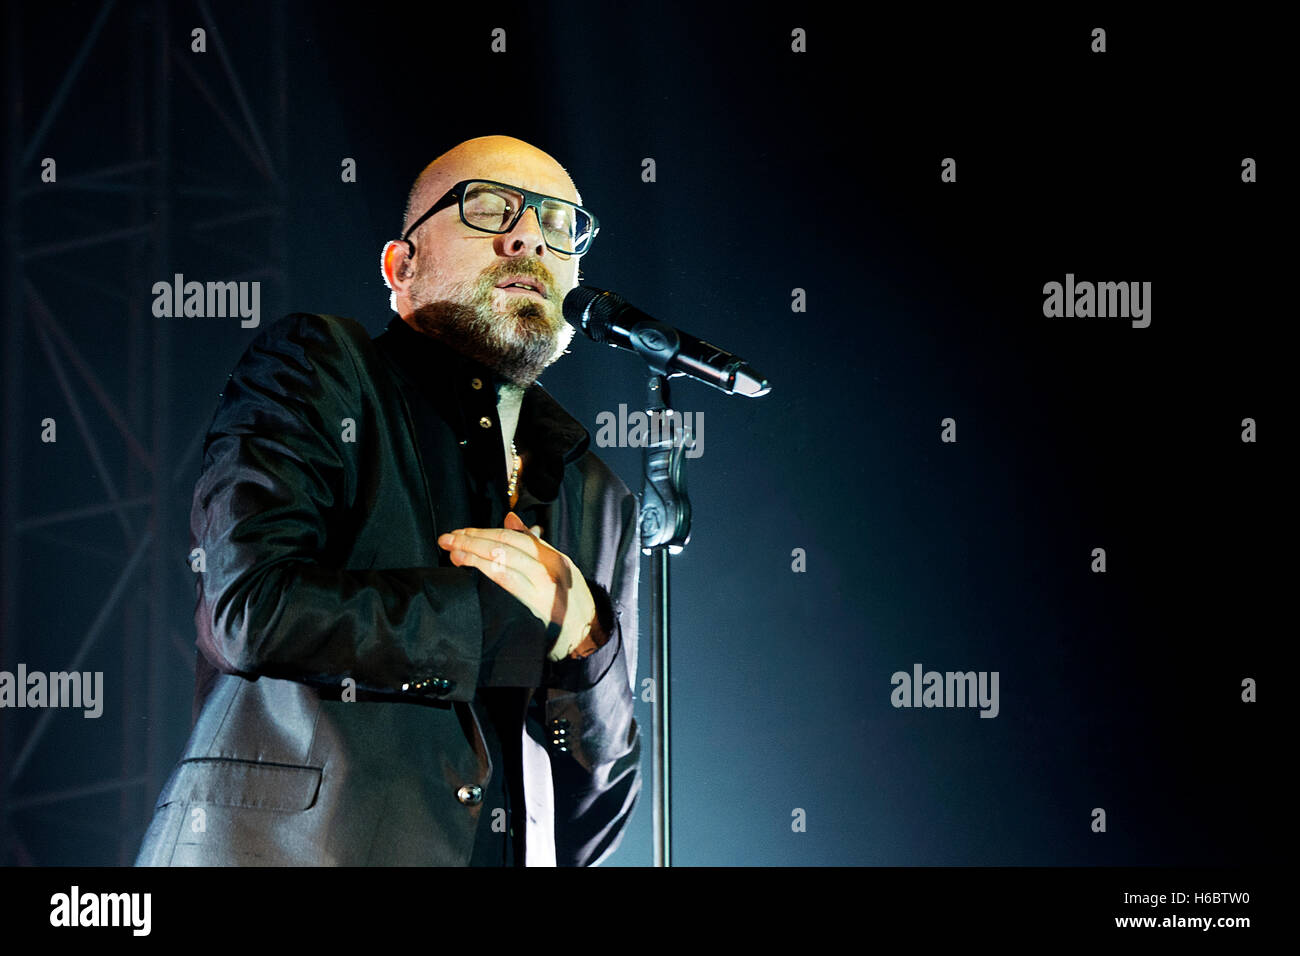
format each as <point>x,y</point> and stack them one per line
<point>340,648</point>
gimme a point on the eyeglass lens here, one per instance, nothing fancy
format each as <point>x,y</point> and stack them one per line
<point>493,208</point>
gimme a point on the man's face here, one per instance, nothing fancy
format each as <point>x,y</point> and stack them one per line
<point>463,289</point>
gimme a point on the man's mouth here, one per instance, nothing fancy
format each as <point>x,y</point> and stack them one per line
<point>523,285</point>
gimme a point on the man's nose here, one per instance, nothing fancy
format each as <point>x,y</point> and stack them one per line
<point>525,238</point>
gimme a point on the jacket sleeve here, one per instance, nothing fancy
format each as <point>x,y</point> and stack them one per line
<point>593,739</point>
<point>272,511</point>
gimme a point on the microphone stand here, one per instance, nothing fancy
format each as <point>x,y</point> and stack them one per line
<point>665,523</point>
<point>665,519</point>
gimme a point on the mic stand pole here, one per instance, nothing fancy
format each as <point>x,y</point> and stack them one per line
<point>665,524</point>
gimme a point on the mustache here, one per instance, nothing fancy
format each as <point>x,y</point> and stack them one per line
<point>530,268</point>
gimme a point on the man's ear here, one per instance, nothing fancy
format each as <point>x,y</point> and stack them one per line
<point>395,265</point>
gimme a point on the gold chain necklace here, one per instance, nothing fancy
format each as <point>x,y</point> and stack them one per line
<point>514,472</point>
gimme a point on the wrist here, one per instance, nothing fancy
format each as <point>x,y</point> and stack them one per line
<point>593,639</point>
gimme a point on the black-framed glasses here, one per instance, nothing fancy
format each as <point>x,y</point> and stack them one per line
<point>494,207</point>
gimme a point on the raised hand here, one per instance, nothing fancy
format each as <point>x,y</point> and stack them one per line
<point>544,580</point>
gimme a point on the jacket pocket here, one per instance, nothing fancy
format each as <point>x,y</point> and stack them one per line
<point>224,782</point>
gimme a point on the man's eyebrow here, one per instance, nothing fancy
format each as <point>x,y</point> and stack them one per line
<point>494,187</point>
<point>483,186</point>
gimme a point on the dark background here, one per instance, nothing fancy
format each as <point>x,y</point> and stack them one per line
<point>775,170</point>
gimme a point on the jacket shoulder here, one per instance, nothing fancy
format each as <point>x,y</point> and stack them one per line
<point>300,369</point>
<point>310,342</point>
<point>309,327</point>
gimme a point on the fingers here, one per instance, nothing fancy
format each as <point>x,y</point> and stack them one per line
<point>563,598</point>
<point>518,560</point>
<point>512,547</point>
<point>481,541</point>
<point>521,540</point>
<point>491,554</point>
<point>495,565</point>
<point>497,552</point>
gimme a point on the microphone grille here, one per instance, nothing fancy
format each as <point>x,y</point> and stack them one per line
<point>591,309</point>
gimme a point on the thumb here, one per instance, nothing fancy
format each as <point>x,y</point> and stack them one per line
<point>515,523</point>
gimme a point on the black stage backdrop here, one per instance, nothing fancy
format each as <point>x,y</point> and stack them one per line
<point>866,206</point>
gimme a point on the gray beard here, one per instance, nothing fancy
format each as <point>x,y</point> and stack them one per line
<point>518,346</point>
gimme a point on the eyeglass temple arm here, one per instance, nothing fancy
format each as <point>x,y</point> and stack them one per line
<point>448,200</point>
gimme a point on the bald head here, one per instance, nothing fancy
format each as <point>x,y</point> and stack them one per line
<point>501,158</point>
<point>494,296</point>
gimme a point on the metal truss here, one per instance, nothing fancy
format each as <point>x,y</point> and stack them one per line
<point>131,200</point>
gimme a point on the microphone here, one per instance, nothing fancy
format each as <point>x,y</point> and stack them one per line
<point>607,318</point>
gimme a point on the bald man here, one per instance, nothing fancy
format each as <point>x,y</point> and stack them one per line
<point>416,584</point>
